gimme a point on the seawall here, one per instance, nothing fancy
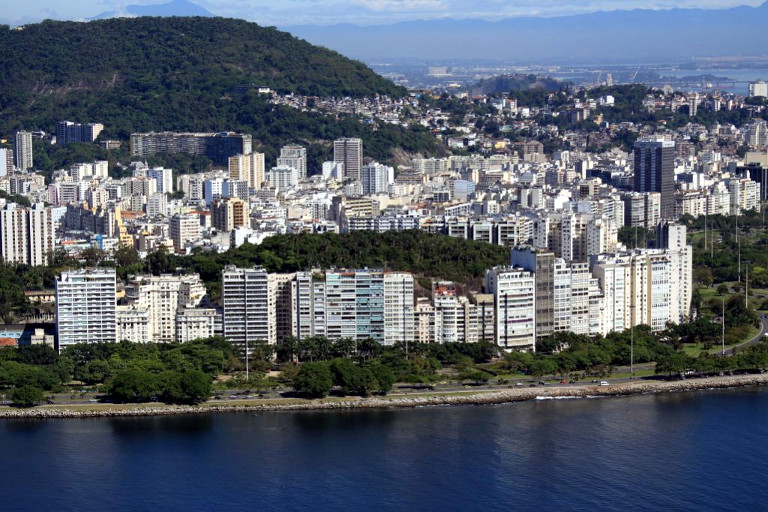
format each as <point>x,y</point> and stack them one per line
<point>484,397</point>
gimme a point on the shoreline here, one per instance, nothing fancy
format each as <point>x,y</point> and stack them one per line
<point>430,399</point>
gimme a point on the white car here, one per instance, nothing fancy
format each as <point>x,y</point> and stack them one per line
<point>603,382</point>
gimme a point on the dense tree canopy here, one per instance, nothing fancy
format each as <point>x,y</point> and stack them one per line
<point>412,251</point>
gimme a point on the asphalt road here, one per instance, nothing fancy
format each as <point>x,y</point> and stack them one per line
<point>753,341</point>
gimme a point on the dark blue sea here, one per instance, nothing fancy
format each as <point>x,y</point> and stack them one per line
<point>694,451</point>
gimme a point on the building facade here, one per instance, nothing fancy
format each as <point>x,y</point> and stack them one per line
<point>86,307</point>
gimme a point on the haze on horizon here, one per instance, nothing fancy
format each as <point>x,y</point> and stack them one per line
<point>361,12</point>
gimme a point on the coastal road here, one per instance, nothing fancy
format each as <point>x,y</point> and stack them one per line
<point>753,341</point>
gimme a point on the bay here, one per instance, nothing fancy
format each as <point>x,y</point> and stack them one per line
<point>687,451</point>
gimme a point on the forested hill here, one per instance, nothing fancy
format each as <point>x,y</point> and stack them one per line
<point>507,83</point>
<point>135,74</point>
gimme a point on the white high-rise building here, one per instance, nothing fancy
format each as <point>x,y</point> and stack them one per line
<point>356,304</point>
<point>249,168</point>
<point>6,161</point>
<point>758,88</point>
<point>579,302</point>
<point>673,238</point>
<point>157,204</point>
<point>164,179</point>
<point>85,307</point>
<point>42,234</point>
<point>22,150</point>
<point>446,310</point>
<point>514,291</point>
<point>249,307</point>
<point>333,170</point>
<point>350,153</point>
<point>302,306</point>
<point>398,308</point>
<point>745,195</point>
<point>184,229</point>
<point>100,168</point>
<point>756,135</point>
<point>162,297</point>
<point>132,324</point>
<point>646,286</point>
<point>375,178</point>
<point>283,177</point>
<point>14,233</point>
<point>27,235</point>
<point>195,324</point>
<point>561,296</point>
<point>693,104</point>
<point>212,190</point>
<point>294,156</point>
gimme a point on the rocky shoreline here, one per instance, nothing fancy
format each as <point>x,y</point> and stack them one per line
<point>488,397</point>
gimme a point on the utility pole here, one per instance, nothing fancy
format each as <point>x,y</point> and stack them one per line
<point>632,343</point>
<point>632,352</point>
<point>738,242</point>
<point>746,289</point>
<point>705,230</point>
<point>723,325</point>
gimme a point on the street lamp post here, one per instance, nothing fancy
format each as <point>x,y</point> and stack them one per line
<point>632,343</point>
<point>746,288</point>
<point>723,322</point>
<point>738,242</point>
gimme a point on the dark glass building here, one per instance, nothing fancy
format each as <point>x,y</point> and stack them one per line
<point>655,171</point>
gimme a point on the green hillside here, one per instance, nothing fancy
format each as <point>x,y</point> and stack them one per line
<point>196,74</point>
<point>507,83</point>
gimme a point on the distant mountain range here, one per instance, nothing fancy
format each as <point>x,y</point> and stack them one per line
<point>172,8</point>
<point>619,36</point>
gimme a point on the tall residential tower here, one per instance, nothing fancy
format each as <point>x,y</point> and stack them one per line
<point>655,171</point>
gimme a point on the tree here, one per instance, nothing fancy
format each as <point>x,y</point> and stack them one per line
<point>189,387</point>
<point>541,367</point>
<point>126,256</point>
<point>288,372</point>
<point>313,380</point>
<point>353,379</point>
<point>384,376</point>
<point>159,262</point>
<point>288,349</point>
<point>674,364</point>
<point>703,275</point>
<point>476,375</point>
<point>133,386</point>
<point>92,256</point>
<point>93,372</point>
<point>26,396</point>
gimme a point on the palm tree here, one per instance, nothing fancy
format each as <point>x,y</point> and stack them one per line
<point>290,349</point>
<point>308,348</point>
<point>344,347</point>
<point>368,348</point>
<point>323,347</point>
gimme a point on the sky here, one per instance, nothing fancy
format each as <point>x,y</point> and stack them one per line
<point>362,12</point>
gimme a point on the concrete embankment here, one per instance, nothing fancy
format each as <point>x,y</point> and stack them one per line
<point>487,397</point>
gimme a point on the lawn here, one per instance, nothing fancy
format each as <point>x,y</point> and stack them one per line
<point>694,350</point>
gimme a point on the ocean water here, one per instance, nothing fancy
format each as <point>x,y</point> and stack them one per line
<point>692,451</point>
